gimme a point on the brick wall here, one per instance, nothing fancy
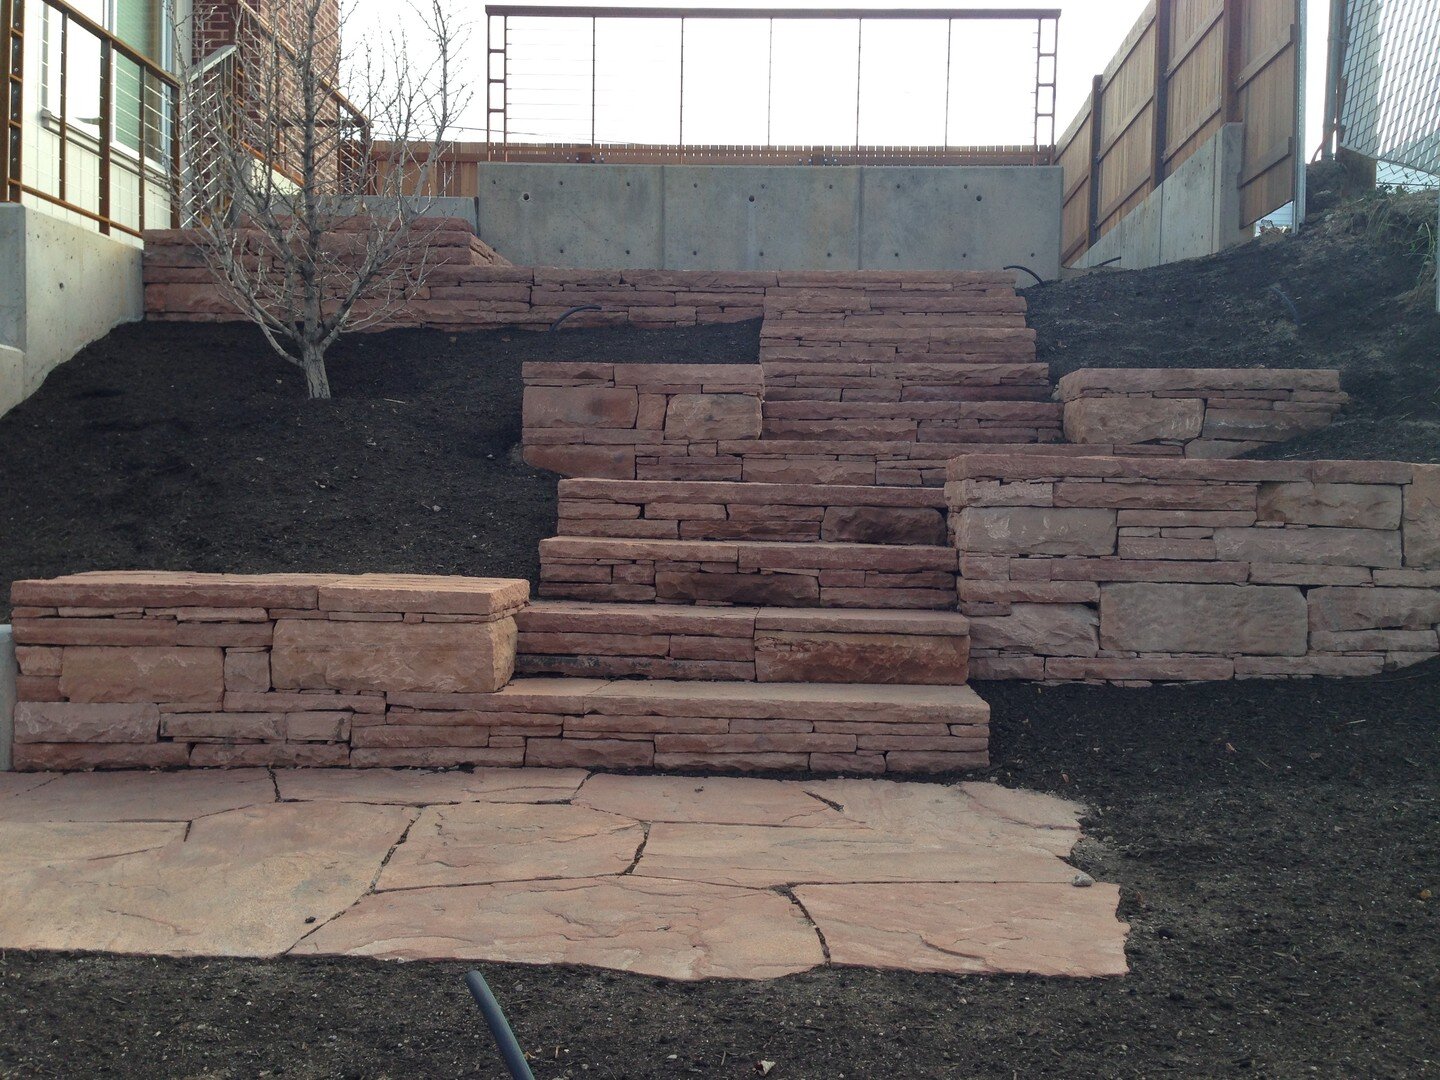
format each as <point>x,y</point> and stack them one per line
<point>1209,412</point>
<point>1136,569</point>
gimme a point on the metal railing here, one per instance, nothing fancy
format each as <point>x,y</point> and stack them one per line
<point>88,123</point>
<point>594,80</point>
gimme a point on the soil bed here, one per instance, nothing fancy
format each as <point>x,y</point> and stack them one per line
<point>1272,840</point>
<point>192,447</point>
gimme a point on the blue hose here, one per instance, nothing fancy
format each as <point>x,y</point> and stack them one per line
<point>510,1050</point>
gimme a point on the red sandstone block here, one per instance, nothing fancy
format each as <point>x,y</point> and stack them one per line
<point>71,757</point>
<point>304,702</point>
<point>438,757</point>
<point>930,761</point>
<point>415,735</point>
<point>226,635</point>
<point>62,722</point>
<point>1157,669</point>
<point>38,661</point>
<point>156,589</point>
<point>733,762</point>
<point>274,755</point>
<point>118,632</point>
<point>589,753</point>
<point>762,743</point>
<point>428,594</point>
<point>38,688</point>
<point>142,674</point>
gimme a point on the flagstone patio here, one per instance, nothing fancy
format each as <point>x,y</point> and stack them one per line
<point>682,877</point>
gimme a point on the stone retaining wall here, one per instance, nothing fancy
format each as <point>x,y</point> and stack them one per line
<point>1209,412</point>
<point>1139,569</point>
<point>627,420</point>
<point>146,670</point>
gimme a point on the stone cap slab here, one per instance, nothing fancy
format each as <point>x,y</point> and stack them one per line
<point>701,491</point>
<point>861,621</point>
<point>1032,467</point>
<point>295,592</point>
<point>1149,380</point>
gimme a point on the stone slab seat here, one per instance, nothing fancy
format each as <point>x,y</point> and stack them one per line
<point>745,643</point>
<point>748,573</point>
<point>730,727</point>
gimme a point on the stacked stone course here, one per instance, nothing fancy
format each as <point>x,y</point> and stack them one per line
<point>1126,569</point>
<point>1206,412</point>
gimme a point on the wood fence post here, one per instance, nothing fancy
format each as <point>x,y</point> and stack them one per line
<point>1097,98</point>
<point>1164,21</point>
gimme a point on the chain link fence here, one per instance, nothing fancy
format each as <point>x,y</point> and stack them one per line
<point>1389,93</point>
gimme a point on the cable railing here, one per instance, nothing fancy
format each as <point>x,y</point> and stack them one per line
<point>88,122</point>
<point>769,85</point>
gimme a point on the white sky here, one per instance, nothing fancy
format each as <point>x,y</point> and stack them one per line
<point>812,79</point>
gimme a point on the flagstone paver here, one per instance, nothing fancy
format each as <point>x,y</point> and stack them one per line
<point>176,796</point>
<point>680,877</point>
<point>970,928</point>
<point>682,930</point>
<point>413,787</point>
<point>480,843</point>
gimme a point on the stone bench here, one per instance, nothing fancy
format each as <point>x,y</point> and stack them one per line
<point>147,670</point>
<point>1136,569</point>
<point>1210,412</point>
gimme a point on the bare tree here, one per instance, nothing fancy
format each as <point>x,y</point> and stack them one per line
<point>305,198</point>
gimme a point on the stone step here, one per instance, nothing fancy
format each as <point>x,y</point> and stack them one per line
<point>748,573</point>
<point>848,380</point>
<point>922,421</point>
<point>888,463</point>
<point>681,725</point>
<point>709,510</point>
<point>748,644</point>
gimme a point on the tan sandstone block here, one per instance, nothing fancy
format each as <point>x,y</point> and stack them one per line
<point>692,417</point>
<point>1373,609</point>
<point>1222,620</point>
<point>142,674</point>
<point>1036,531</point>
<point>1422,517</point>
<point>1350,506</point>
<point>433,657</point>
<point>1133,420</point>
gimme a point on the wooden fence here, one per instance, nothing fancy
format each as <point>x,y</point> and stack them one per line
<point>1187,68</point>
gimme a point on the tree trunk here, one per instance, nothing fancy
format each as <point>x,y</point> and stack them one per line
<point>317,382</point>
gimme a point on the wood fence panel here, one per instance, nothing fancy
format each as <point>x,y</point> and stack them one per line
<point>1217,61</point>
<point>1265,87</point>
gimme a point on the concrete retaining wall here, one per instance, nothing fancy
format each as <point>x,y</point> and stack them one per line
<point>62,286</point>
<point>719,217</point>
<point>1196,211</point>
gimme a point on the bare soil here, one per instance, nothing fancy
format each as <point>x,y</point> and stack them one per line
<point>1274,842</point>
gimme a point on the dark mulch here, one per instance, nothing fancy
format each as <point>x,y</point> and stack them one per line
<point>1353,292</point>
<point>1273,842</point>
<point>191,447</point>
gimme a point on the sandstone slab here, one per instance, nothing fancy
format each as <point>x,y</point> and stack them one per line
<point>143,674</point>
<point>481,843</point>
<point>116,797</point>
<point>1422,518</point>
<point>1323,546</point>
<point>676,930</point>
<point>714,799</point>
<point>1349,506</point>
<point>763,857</point>
<point>1027,530</point>
<point>1133,420</point>
<point>67,722</point>
<point>972,928</point>
<point>314,654</point>
<point>883,525</point>
<point>696,417</point>
<point>1223,620</point>
<point>580,407</point>
<point>249,882</point>
<point>803,656</point>
<point>1039,629</point>
<point>1371,609</point>
<point>419,787</point>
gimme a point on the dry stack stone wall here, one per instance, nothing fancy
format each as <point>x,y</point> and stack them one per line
<point>1207,412</point>
<point>1134,569</point>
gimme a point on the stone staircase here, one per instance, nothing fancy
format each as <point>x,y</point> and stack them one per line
<point>816,593</point>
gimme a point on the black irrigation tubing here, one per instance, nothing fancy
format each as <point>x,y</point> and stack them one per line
<point>573,311</point>
<point>1289,304</point>
<point>1038,279</point>
<point>515,1062</point>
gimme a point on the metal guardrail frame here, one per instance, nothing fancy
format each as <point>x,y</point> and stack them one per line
<point>497,115</point>
<point>12,116</point>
